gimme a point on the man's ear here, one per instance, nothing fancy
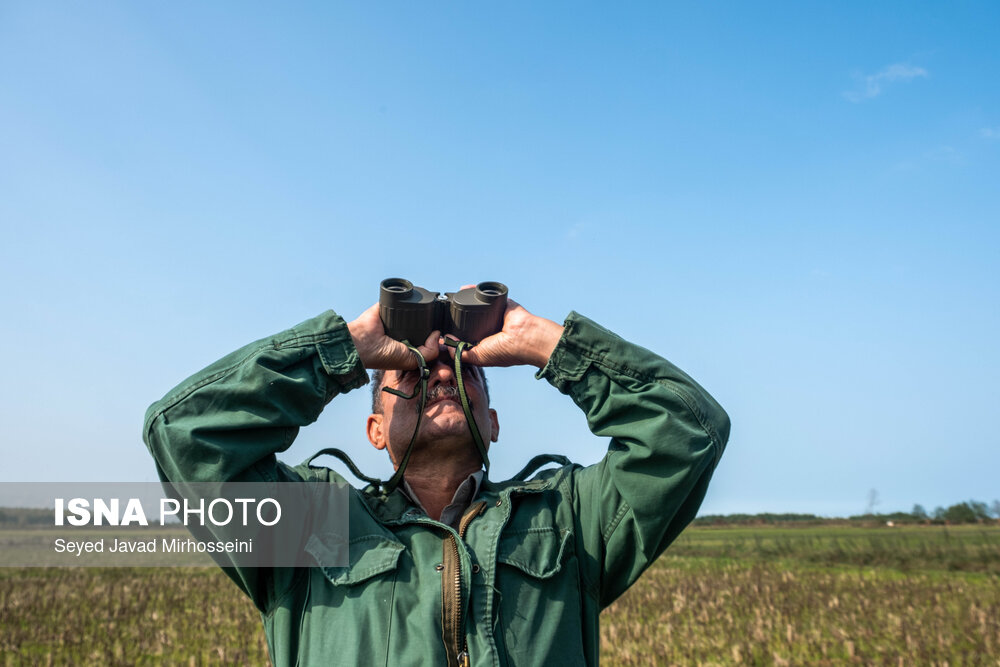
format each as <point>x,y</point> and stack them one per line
<point>494,426</point>
<point>376,435</point>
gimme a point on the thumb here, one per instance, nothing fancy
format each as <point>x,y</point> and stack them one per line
<point>490,351</point>
<point>395,355</point>
<point>430,347</point>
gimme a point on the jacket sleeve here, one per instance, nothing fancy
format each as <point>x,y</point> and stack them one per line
<point>226,422</point>
<point>667,435</point>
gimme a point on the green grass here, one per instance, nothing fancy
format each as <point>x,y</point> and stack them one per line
<point>816,595</point>
<point>912,548</point>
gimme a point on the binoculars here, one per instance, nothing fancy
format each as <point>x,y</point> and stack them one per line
<point>410,313</point>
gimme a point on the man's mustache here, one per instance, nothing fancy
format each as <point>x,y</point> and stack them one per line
<point>444,392</point>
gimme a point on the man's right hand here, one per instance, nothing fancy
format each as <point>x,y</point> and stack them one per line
<point>379,351</point>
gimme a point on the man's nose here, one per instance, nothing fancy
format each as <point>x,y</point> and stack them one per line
<point>442,373</point>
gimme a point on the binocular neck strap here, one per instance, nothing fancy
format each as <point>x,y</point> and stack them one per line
<point>461,346</point>
<point>346,460</point>
<point>421,390</point>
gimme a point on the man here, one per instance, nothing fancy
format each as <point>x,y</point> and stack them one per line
<point>451,567</point>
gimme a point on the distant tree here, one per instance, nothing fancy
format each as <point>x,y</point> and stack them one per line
<point>22,517</point>
<point>762,518</point>
<point>996,509</point>
<point>939,513</point>
<point>960,513</point>
<point>919,512</point>
<point>981,510</point>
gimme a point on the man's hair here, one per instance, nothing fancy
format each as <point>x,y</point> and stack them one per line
<point>378,379</point>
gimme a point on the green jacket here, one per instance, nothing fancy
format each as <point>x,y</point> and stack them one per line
<point>525,578</point>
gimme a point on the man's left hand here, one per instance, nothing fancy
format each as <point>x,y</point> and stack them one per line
<point>525,339</point>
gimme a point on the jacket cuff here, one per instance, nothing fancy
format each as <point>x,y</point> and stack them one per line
<point>337,353</point>
<point>582,343</point>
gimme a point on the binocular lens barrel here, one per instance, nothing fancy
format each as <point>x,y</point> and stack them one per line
<point>491,290</point>
<point>411,313</point>
<point>397,286</point>
<point>408,313</point>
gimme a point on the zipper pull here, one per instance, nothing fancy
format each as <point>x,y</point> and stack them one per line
<point>463,659</point>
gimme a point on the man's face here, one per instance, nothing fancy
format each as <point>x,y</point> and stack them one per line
<point>443,426</point>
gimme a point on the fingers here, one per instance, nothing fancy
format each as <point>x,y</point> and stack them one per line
<point>393,355</point>
<point>470,356</point>
<point>451,350</point>
<point>371,313</point>
<point>429,349</point>
<point>378,350</point>
<point>432,340</point>
<point>399,356</point>
<point>487,352</point>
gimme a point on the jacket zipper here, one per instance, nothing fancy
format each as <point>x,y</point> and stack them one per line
<point>456,646</point>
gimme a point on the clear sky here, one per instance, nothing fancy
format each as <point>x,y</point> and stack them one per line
<point>797,203</point>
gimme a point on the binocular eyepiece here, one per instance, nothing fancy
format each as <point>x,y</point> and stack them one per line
<point>411,313</point>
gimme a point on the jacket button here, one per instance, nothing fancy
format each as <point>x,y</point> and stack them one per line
<point>475,569</point>
<point>499,503</point>
<point>439,567</point>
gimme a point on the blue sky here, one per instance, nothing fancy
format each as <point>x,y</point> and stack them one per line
<point>797,203</point>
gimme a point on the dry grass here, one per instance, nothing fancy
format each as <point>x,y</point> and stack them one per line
<point>127,616</point>
<point>689,613</point>
<point>815,596</point>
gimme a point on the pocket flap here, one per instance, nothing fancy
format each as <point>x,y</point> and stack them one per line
<point>536,551</point>
<point>370,555</point>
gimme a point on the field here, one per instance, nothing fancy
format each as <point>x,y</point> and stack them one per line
<point>828,595</point>
<point>824,595</point>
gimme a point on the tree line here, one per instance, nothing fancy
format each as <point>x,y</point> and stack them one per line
<point>969,511</point>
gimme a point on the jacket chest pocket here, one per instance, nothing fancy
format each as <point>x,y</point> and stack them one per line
<point>369,556</point>
<point>537,552</point>
<point>539,603</point>
<point>348,612</point>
